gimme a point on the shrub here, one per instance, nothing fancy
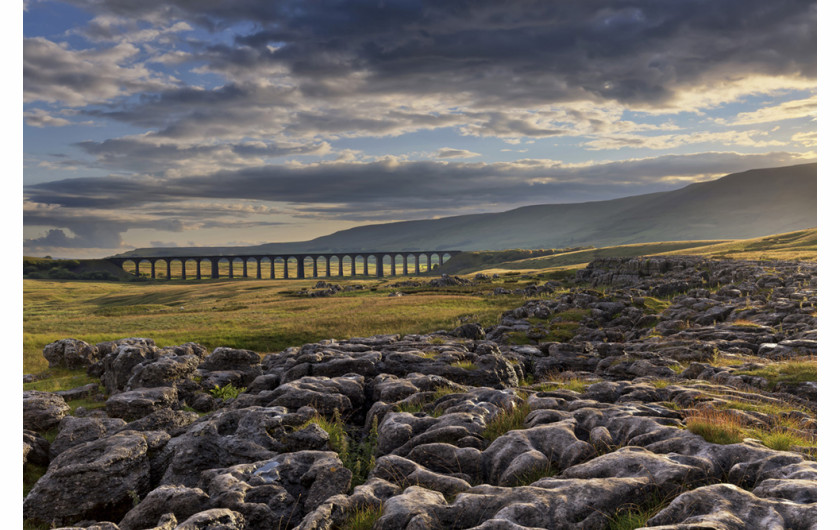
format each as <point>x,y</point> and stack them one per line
<point>226,392</point>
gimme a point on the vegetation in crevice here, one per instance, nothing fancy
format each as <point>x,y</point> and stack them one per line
<point>507,419</point>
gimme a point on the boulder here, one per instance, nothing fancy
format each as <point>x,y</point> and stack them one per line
<point>180,501</point>
<point>135,404</point>
<point>74,431</point>
<point>42,410</point>
<point>728,506</point>
<point>36,450</point>
<point>111,472</point>
<point>215,519</point>
<point>71,354</point>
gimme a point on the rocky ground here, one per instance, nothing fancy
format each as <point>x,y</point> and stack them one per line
<point>657,393</point>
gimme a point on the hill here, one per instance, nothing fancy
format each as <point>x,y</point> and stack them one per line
<point>798,246</point>
<point>738,206</point>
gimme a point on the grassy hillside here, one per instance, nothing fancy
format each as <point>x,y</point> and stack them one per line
<point>799,245</point>
<point>739,206</point>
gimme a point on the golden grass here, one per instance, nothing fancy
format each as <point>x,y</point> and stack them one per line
<point>260,315</point>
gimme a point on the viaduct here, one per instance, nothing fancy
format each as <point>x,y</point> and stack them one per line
<point>293,265</point>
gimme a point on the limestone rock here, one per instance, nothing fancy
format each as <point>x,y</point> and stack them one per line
<point>42,410</point>
<point>111,472</point>
<point>70,353</point>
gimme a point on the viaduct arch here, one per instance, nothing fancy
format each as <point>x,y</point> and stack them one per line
<point>290,266</point>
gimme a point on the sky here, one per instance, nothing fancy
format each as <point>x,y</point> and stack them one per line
<point>240,122</point>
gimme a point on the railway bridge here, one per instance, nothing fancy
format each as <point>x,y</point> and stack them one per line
<point>290,266</point>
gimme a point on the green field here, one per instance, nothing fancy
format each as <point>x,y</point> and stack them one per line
<point>268,316</point>
<point>261,315</point>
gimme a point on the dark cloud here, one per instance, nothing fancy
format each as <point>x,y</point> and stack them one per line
<point>527,52</point>
<point>417,185</point>
<point>151,155</point>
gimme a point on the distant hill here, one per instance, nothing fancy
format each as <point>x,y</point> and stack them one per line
<point>744,205</point>
<point>798,246</point>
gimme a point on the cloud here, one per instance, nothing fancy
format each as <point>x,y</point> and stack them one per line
<point>418,185</point>
<point>671,141</point>
<point>152,154</point>
<point>54,73</point>
<point>40,118</point>
<point>448,152</point>
<point>799,108</point>
<point>365,68</point>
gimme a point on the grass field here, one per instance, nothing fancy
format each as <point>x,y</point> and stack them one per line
<point>267,316</point>
<point>261,315</point>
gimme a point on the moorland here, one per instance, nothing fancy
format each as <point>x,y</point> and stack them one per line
<point>658,384</point>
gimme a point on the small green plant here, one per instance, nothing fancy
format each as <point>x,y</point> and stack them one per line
<point>677,368</point>
<point>226,392</point>
<point>135,499</point>
<point>508,419</point>
<point>466,365</point>
<point>362,518</point>
<point>357,456</point>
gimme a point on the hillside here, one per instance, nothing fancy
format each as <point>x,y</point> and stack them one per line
<point>799,246</point>
<point>744,205</point>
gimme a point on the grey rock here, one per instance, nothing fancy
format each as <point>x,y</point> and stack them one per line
<point>36,450</point>
<point>135,404</point>
<point>74,431</point>
<point>180,501</point>
<point>70,353</point>
<point>215,519</point>
<point>42,410</point>
<point>163,371</point>
<point>172,422</point>
<point>111,472</point>
<point>727,506</point>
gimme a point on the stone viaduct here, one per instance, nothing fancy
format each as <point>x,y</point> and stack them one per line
<point>293,265</point>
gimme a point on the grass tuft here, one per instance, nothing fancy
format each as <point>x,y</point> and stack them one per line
<point>466,365</point>
<point>362,518</point>
<point>508,419</point>
<point>715,426</point>
<point>796,371</point>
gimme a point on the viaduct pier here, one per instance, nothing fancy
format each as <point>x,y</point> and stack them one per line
<point>289,266</point>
